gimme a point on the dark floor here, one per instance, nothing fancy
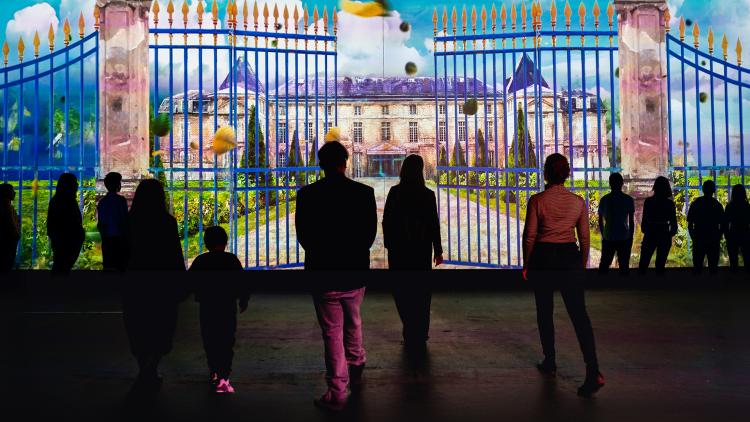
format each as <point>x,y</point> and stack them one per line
<point>673,353</point>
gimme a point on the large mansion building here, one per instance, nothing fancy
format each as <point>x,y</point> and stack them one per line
<point>382,120</point>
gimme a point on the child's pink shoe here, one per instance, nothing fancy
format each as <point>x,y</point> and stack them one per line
<point>224,387</point>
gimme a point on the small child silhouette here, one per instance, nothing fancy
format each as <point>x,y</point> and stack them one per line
<point>218,298</point>
<point>112,213</point>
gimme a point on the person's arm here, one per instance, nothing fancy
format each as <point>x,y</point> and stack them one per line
<point>583,234</point>
<point>179,257</point>
<point>645,216</point>
<point>631,219</point>
<point>371,214</point>
<point>300,219</point>
<point>601,211</point>
<point>388,219</point>
<point>243,290</point>
<point>690,220</point>
<point>530,231</point>
<point>672,219</point>
<point>437,242</point>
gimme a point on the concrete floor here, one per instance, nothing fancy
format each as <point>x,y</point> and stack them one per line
<point>667,354</point>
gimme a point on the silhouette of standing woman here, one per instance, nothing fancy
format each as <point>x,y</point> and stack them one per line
<point>552,257</point>
<point>150,309</point>
<point>65,225</point>
<point>738,228</point>
<point>659,225</point>
<point>411,233</point>
<point>9,233</point>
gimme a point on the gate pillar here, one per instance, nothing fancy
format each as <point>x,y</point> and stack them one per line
<point>124,90</point>
<point>643,94</point>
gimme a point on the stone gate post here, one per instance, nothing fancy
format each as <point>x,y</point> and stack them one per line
<point>643,94</point>
<point>124,90</point>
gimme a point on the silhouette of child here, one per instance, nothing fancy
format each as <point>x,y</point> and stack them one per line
<point>65,225</point>
<point>9,232</point>
<point>705,220</point>
<point>218,298</point>
<point>112,214</point>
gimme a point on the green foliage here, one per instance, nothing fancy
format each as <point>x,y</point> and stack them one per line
<point>159,125</point>
<point>522,154</point>
<point>154,160</point>
<point>58,121</point>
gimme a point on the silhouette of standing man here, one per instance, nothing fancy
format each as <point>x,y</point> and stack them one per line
<point>705,224</point>
<point>616,224</point>
<point>336,223</point>
<point>112,213</point>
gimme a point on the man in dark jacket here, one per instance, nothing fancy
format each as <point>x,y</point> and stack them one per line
<point>336,223</point>
<point>705,224</point>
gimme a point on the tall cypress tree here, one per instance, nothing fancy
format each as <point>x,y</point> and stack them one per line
<point>249,159</point>
<point>523,147</point>
<point>480,160</point>
<point>294,159</point>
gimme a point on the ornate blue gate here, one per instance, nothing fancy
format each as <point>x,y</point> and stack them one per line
<point>50,126</point>
<point>532,93</point>
<point>265,75</point>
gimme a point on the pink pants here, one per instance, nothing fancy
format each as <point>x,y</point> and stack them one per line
<point>341,325</point>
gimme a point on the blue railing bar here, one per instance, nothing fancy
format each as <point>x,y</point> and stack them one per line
<point>229,48</point>
<point>56,53</point>
<point>241,33</point>
<point>708,168</point>
<point>481,265</point>
<point>47,72</point>
<point>705,55</point>
<point>526,50</point>
<point>711,73</point>
<point>523,34</point>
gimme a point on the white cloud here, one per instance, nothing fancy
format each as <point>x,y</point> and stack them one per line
<point>29,20</point>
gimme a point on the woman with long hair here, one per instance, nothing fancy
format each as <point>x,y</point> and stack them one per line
<point>738,228</point>
<point>553,260</point>
<point>65,224</point>
<point>150,310</point>
<point>659,225</point>
<point>411,233</point>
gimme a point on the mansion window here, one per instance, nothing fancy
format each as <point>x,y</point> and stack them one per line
<point>412,109</point>
<point>593,104</point>
<point>441,108</point>
<point>461,131</point>
<point>413,132</point>
<point>282,132</point>
<point>357,132</point>
<point>194,106</point>
<point>491,156</point>
<point>310,110</point>
<point>574,103</point>
<point>309,132</point>
<point>281,160</point>
<point>441,131</point>
<point>357,110</point>
<point>488,109</point>
<point>490,131</point>
<point>385,110</point>
<point>282,110</point>
<point>385,131</point>
<point>460,109</point>
<point>328,126</point>
<point>358,164</point>
<point>329,108</point>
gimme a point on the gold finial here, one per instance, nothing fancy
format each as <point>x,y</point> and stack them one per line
<point>155,10</point>
<point>553,15</point>
<point>335,23</point>
<point>97,14</point>
<point>230,19</point>
<point>724,46</point>
<point>710,41</point>
<point>682,28</point>
<point>170,10</point>
<point>596,11</point>
<point>316,17</point>
<point>493,17</point>
<point>610,16</point>
<point>235,12</point>
<point>285,14</point>
<point>265,16</point>
<point>483,17</point>
<point>503,16</point>
<point>463,19</point>
<point>434,21</point>
<point>21,48</point>
<point>738,50</point>
<point>66,31</point>
<point>474,19</point>
<point>36,44</point>
<point>513,16</point>
<point>305,18</point>
<point>51,38</point>
<point>6,51</point>
<point>696,35</point>
<point>215,13</point>
<point>245,14</point>
<point>255,15</point>
<point>295,16</point>
<point>325,19</point>
<point>445,20</point>
<point>454,16</point>
<point>81,26</point>
<point>582,14</point>
<point>200,10</point>
<point>185,11</point>
<point>568,12</point>
<point>667,18</point>
<point>523,15</point>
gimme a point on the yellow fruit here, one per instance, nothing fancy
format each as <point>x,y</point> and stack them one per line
<point>334,134</point>
<point>34,187</point>
<point>368,9</point>
<point>158,152</point>
<point>193,145</point>
<point>224,140</point>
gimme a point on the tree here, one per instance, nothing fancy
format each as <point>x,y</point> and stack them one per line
<point>457,160</point>
<point>294,158</point>
<point>522,153</point>
<point>248,159</point>
<point>480,160</point>
<point>442,160</point>
<point>155,161</point>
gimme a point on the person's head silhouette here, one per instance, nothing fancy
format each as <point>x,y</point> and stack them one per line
<point>332,158</point>
<point>556,169</point>
<point>113,182</point>
<point>67,186</point>
<point>739,194</point>
<point>662,188</point>
<point>616,181</point>
<point>412,171</point>
<point>215,238</point>
<point>709,188</point>
<point>6,192</point>
<point>149,198</point>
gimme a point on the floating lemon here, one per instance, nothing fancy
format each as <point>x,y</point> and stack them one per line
<point>34,187</point>
<point>158,152</point>
<point>193,145</point>
<point>703,97</point>
<point>410,68</point>
<point>334,134</point>
<point>470,106</point>
<point>224,140</point>
<point>368,9</point>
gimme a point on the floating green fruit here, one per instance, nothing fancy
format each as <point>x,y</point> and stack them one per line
<point>703,97</point>
<point>688,22</point>
<point>14,144</point>
<point>161,125</point>
<point>470,106</point>
<point>410,68</point>
<point>617,72</point>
